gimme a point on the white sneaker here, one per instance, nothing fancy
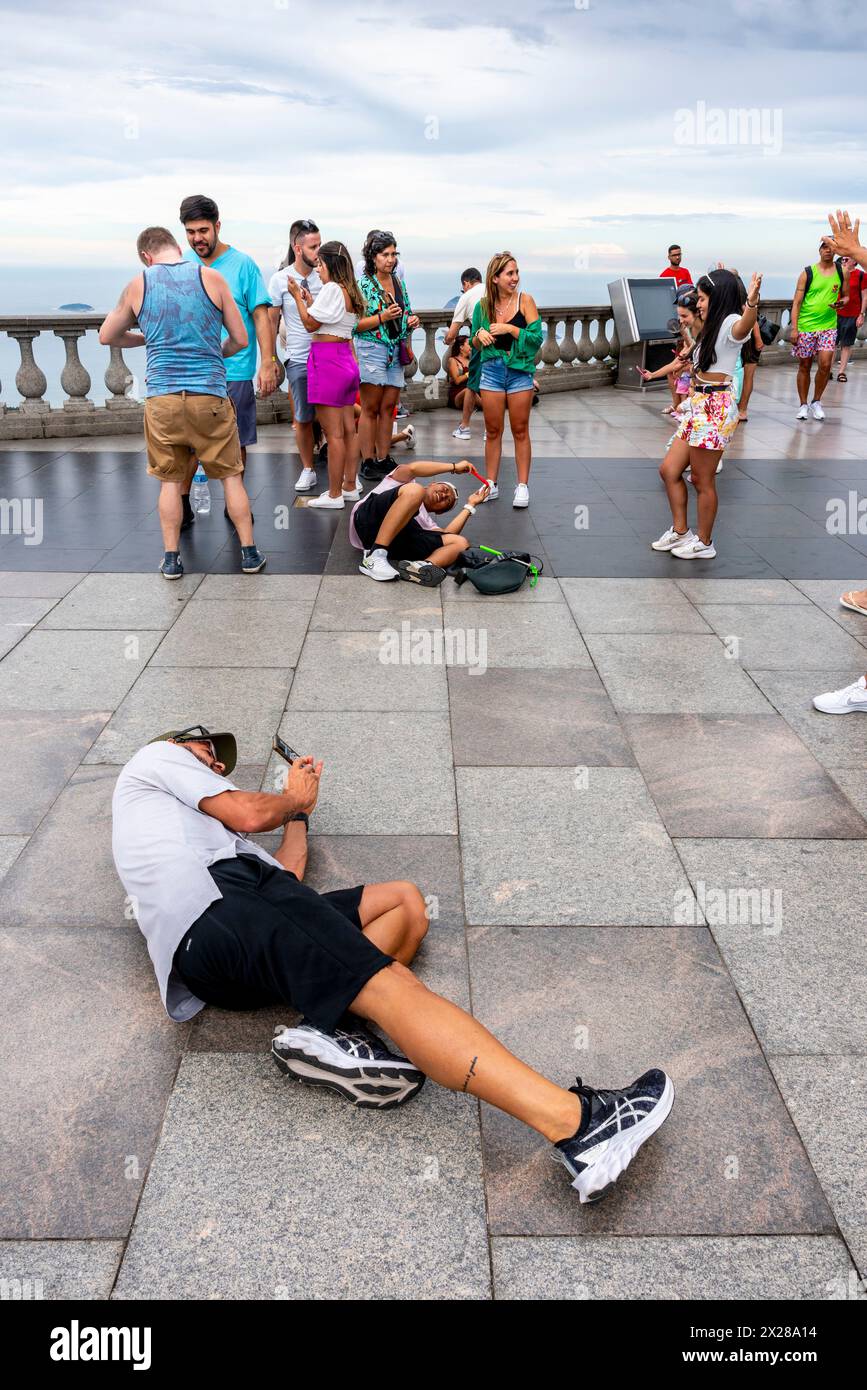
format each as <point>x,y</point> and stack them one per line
<point>462,432</point>
<point>409,442</point>
<point>376,565</point>
<point>803,413</point>
<point>846,701</point>
<point>326,501</point>
<point>818,412</point>
<point>522,496</point>
<point>493,490</point>
<point>670,538</point>
<point>307,481</point>
<point>719,466</point>
<point>694,550</point>
<point>352,494</point>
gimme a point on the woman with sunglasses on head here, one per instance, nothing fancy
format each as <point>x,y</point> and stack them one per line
<point>380,341</point>
<point>508,330</point>
<point>332,371</point>
<point>710,415</point>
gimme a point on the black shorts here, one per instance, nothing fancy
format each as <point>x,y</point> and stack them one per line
<point>414,542</point>
<point>847,329</point>
<point>272,940</point>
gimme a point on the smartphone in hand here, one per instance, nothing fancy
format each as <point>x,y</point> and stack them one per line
<point>284,750</point>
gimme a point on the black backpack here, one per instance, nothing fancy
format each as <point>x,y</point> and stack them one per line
<point>838,266</point>
<point>496,571</point>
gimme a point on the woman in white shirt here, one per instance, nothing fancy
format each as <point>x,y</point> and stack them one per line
<point>332,371</point>
<point>709,416</point>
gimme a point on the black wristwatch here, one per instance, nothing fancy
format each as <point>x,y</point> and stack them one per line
<point>301,815</point>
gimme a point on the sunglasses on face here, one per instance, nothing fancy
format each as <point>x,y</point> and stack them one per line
<point>197,733</point>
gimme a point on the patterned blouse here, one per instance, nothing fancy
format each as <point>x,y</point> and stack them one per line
<point>375,302</point>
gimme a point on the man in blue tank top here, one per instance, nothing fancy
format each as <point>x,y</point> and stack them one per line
<point>181,309</point>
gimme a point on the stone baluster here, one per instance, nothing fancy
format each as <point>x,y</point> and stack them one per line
<point>614,347</point>
<point>30,379</point>
<point>550,350</point>
<point>568,346</point>
<point>585,345</point>
<point>119,380</point>
<point>74,378</point>
<point>429,363</point>
<point>600,342</point>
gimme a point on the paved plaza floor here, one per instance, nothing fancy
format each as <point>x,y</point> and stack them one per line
<point>640,843</point>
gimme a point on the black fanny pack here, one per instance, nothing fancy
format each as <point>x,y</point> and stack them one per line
<point>496,571</point>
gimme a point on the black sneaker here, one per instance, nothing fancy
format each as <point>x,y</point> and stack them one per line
<point>172,566</point>
<point>374,470</point>
<point>252,559</point>
<point>189,515</point>
<point>421,572</point>
<point>352,1062</point>
<point>614,1125</point>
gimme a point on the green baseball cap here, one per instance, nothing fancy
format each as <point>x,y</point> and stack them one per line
<point>225,745</point>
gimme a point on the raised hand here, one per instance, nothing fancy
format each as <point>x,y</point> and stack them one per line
<point>845,236</point>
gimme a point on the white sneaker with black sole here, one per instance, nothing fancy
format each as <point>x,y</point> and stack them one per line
<point>614,1125</point>
<point>670,538</point>
<point>803,413</point>
<point>306,481</point>
<point>376,565</point>
<point>353,1062</point>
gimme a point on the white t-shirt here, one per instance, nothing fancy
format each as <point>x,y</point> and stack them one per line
<point>297,338</point>
<point>463,310</point>
<point>727,348</point>
<point>422,516</point>
<point>332,313</point>
<point>162,846</point>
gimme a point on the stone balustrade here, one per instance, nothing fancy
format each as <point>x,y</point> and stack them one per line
<point>578,351</point>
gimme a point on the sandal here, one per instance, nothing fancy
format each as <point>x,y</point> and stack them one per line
<point>742,419</point>
<point>841,376</point>
<point>846,602</point>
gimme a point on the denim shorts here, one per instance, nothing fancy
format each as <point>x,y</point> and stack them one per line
<point>496,376</point>
<point>243,395</point>
<point>296,380</point>
<point>373,365</point>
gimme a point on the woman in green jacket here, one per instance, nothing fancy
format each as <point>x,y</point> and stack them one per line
<point>508,331</point>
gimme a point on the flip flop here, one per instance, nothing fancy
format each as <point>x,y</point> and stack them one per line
<point>856,608</point>
<point>841,376</point>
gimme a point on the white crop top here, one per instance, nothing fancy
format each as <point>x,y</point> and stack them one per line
<point>727,347</point>
<point>329,309</point>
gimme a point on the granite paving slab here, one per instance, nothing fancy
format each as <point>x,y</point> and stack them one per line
<point>838,741</point>
<point>631,605</point>
<point>175,698</point>
<point>788,919</point>
<point>86,1084</point>
<point>37,585</point>
<point>39,752</point>
<point>237,632</point>
<point>399,1195</point>
<point>514,634</point>
<point>740,776</point>
<point>125,602</point>
<point>399,667</point>
<point>783,636</point>
<point>825,594</point>
<point>534,718</point>
<point>539,847</point>
<point>73,670</point>
<point>345,605</point>
<point>275,588</point>
<point>18,616</point>
<point>651,1268</point>
<point>673,674</point>
<point>827,1097</point>
<point>59,1269</point>
<point>700,591</point>
<point>10,848</point>
<point>728,1160</point>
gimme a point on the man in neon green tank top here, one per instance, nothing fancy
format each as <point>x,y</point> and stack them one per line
<point>814,325</point>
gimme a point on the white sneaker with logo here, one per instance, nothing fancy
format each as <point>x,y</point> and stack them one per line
<point>522,496</point>
<point>846,701</point>
<point>462,432</point>
<point>376,565</point>
<point>307,480</point>
<point>803,413</point>
<point>327,501</point>
<point>694,550</point>
<point>817,411</point>
<point>670,538</point>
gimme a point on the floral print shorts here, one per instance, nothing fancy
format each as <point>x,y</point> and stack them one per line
<point>707,420</point>
<point>809,344</point>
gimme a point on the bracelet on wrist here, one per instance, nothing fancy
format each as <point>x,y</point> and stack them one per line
<point>301,815</point>
<point>468,507</point>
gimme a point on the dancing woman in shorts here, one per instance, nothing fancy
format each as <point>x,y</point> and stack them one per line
<point>710,414</point>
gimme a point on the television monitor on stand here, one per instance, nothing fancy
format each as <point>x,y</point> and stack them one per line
<point>644,313</point>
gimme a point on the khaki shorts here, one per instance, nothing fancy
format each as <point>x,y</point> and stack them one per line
<point>181,426</point>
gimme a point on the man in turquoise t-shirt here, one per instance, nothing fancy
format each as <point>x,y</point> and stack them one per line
<point>201,218</point>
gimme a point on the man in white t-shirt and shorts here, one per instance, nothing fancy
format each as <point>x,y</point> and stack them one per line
<point>304,240</point>
<point>230,925</point>
<point>472,289</point>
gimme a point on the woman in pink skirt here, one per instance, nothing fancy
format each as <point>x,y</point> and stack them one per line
<point>332,371</point>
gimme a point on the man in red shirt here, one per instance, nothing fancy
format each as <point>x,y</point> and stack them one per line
<point>850,314</point>
<point>678,272</point>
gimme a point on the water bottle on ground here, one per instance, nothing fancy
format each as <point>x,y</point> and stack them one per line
<point>200,493</point>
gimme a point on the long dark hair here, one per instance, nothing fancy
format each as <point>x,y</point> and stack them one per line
<point>375,242</point>
<point>339,266</point>
<point>725,294</point>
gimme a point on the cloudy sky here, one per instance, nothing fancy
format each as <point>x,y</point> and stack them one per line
<point>581,133</point>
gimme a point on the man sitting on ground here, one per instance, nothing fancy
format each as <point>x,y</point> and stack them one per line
<point>230,925</point>
<point>393,524</point>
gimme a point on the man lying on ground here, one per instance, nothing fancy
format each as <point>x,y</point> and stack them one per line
<point>394,525</point>
<point>230,925</point>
